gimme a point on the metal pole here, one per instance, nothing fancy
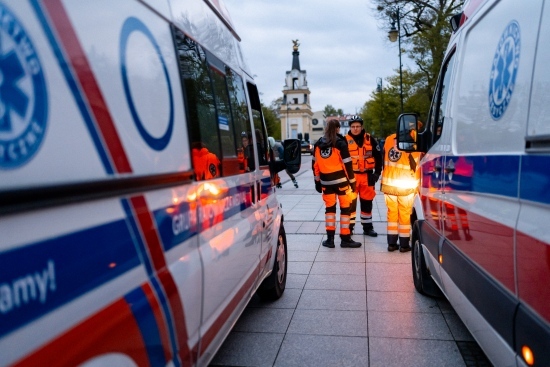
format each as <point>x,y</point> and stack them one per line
<point>400,64</point>
<point>380,90</point>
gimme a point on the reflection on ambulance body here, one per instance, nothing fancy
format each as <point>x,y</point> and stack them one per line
<point>152,235</point>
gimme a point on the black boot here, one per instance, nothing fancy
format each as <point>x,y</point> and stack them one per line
<point>369,231</point>
<point>347,241</point>
<point>329,242</point>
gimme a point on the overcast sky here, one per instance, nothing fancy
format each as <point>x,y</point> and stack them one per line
<point>341,48</point>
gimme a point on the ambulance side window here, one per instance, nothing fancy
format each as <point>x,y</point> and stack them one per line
<point>240,117</point>
<point>259,127</point>
<point>200,108</point>
<point>217,111</point>
<point>438,108</point>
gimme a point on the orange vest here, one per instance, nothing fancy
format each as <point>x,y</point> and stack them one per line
<point>397,177</point>
<point>361,157</point>
<point>328,166</point>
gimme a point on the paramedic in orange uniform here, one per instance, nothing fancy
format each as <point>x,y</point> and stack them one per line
<point>334,178</point>
<point>400,180</point>
<point>205,163</point>
<point>367,166</point>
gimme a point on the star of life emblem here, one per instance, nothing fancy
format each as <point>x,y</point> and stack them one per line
<point>504,70</point>
<point>326,152</point>
<point>394,155</point>
<point>23,97</point>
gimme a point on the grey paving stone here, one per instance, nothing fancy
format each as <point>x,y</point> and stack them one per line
<point>343,255</point>
<point>313,299</point>
<point>389,277</point>
<point>248,349</point>
<point>401,301</point>
<point>301,242</point>
<point>296,281</point>
<point>264,320</point>
<point>329,322</point>
<point>289,299</point>
<point>323,351</point>
<point>390,352</point>
<point>299,255</point>
<point>336,282</point>
<point>412,325</point>
<point>395,257</point>
<point>325,267</point>
<point>458,329</point>
<point>299,267</point>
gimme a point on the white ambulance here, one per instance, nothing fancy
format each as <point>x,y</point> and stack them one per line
<point>137,211</point>
<point>481,221</point>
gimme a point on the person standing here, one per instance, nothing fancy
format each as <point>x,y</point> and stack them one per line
<point>334,178</point>
<point>367,166</point>
<point>400,180</point>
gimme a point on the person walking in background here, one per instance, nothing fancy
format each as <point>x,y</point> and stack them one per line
<point>278,152</point>
<point>400,180</point>
<point>334,178</point>
<point>367,166</point>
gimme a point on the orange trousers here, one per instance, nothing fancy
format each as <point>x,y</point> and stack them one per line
<point>330,197</point>
<point>399,218</point>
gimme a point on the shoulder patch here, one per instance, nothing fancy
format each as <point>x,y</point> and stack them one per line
<point>23,97</point>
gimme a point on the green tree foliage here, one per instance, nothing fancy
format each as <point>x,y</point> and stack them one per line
<point>272,122</point>
<point>331,111</point>
<point>381,111</point>
<point>425,32</point>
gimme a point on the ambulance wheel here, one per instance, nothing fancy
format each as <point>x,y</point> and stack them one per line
<point>423,281</point>
<point>274,285</point>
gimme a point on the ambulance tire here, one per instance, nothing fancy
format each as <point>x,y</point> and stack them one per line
<point>423,281</point>
<point>274,285</point>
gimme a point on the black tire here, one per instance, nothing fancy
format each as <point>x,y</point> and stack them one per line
<point>274,285</point>
<point>423,281</point>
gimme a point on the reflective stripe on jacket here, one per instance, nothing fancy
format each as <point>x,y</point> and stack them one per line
<point>332,164</point>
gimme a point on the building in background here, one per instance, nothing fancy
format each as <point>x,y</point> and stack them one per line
<point>296,115</point>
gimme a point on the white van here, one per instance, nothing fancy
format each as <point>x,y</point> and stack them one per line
<point>137,211</point>
<point>481,221</point>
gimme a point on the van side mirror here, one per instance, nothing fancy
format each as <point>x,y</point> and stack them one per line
<point>407,132</point>
<point>292,155</point>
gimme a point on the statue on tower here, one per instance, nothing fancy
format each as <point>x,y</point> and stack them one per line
<point>296,45</point>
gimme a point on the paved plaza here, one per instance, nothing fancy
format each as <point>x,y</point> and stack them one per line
<point>345,307</point>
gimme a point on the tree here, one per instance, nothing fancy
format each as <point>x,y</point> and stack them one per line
<point>331,111</point>
<point>425,31</point>
<point>272,122</point>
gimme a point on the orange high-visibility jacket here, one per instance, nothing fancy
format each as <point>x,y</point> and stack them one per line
<point>332,164</point>
<point>398,178</point>
<point>206,164</point>
<point>367,157</point>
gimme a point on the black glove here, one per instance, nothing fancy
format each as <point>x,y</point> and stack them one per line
<point>376,177</point>
<point>318,187</point>
<point>353,187</point>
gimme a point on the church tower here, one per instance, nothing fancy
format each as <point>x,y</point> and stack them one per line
<point>296,114</point>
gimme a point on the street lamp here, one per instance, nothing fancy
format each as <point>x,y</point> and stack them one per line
<point>395,34</point>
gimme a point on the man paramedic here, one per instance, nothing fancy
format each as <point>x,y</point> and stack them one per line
<point>367,166</point>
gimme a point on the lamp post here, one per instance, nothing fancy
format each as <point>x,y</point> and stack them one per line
<point>395,34</point>
<point>380,89</point>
